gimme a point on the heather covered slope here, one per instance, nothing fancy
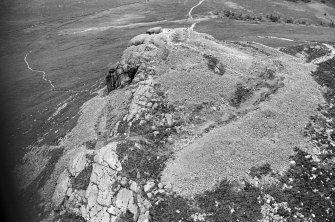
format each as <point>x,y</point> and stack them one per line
<point>197,112</point>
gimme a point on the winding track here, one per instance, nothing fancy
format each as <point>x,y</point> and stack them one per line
<point>34,70</point>
<point>53,88</point>
<point>190,14</point>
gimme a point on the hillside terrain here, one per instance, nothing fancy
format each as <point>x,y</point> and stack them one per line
<point>222,112</point>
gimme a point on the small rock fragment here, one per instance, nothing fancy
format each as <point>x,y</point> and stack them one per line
<point>144,217</point>
<point>149,186</point>
<point>114,211</point>
<point>134,187</point>
<point>168,187</point>
<point>124,181</point>
<point>169,119</point>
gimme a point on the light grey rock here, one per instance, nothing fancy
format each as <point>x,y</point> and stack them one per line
<point>138,40</point>
<point>160,186</point>
<point>83,212</point>
<point>114,218</point>
<point>104,178</point>
<point>124,181</point>
<point>161,191</point>
<point>92,195</point>
<point>61,189</point>
<point>144,206</point>
<point>144,217</point>
<point>69,192</point>
<point>125,201</point>
<point>169,119</point>
<point>149,186</point>
<point>99,214</point>
<point>114,211</point>
<point>94,211</point>
<point>147,204</point>
<point>123,198</point>
<point>140,98</point>
<point>134,187</point>
<point>107,157</point>
<point>168,187</point>
<point>79,162</point>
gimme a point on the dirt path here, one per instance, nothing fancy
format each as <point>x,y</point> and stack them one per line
<point>190,14</point>
<point>53,88</point>
<point>274,37</point>
<point>34,70</point>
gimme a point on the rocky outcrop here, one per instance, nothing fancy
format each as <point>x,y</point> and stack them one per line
<point>120,75</point>
<point>192,96</point>
<point>138,40</point>
<point>108,196</point>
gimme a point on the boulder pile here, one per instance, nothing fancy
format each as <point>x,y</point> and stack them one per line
<point>93,188</point>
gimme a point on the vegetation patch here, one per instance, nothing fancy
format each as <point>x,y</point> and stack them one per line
<point>215,64</point>
<point>90,144</point>
<point>69,217</point>
<point>171,208</point>
<point>273,17</point>
<point>141,163</point>
<point>82,181</point>
<point>311,50</point>
<point>127,217</point>
<point>260,171</point>
<point>241,94</point>
<point>227,204</point>
<point>325,76</point>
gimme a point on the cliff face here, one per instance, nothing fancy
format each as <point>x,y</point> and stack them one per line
<point>183,112</point>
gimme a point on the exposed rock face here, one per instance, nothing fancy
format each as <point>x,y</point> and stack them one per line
<point>213,104</point>
<point>120,75</point>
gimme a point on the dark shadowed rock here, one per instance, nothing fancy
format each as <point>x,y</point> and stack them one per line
<point>154,30</point>
<point>120,75</point>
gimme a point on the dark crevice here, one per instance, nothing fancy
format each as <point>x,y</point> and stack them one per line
<point>119,76</point>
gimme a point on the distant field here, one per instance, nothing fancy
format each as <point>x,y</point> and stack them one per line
<point>246,31</point>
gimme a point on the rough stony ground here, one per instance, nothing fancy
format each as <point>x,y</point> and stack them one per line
<point>262,133</point>
<point>197,111</point>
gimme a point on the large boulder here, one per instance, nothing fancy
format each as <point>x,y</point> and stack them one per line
<point>138,40</point>
<point>154,30</point>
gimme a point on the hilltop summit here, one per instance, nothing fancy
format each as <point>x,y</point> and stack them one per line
<point>185,117</point>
